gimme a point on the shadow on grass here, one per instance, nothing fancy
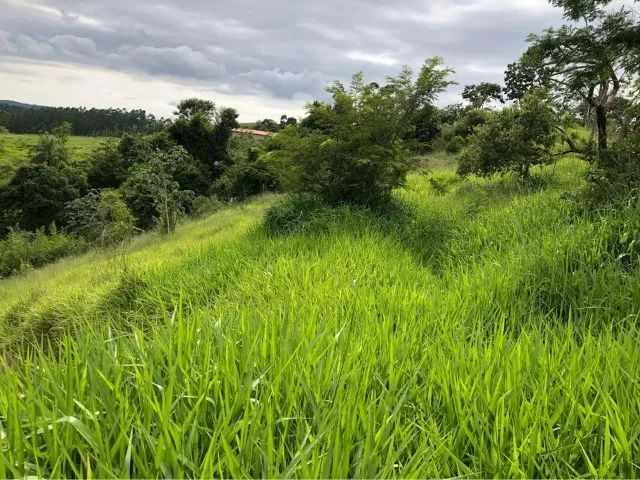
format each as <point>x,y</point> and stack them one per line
<point>425,234</point>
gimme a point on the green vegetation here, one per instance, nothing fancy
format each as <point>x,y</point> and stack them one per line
<point>389,313</point>
<point>22,250</point>
<point>490,330</point>
<point>85,121</point>
<point>16,150</point>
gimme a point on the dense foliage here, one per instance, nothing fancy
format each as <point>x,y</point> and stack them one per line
<point>513,139</point>
<point>356,153</point>
<point>93,121</point>
<point>101,217</point>
<point>21,250</point>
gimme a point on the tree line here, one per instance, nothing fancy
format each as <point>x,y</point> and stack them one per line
<point>84,121</point>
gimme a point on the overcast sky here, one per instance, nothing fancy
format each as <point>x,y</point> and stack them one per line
<point>263,57</point>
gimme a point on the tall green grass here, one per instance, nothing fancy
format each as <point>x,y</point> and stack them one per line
<point>480,329</point>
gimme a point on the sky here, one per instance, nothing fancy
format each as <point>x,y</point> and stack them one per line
<point>263,57</point>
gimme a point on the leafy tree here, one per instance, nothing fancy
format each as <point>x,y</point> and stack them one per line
<point>267,125</point>
<point>101,217</point>
<point>152,193</point>
<point>52,150</point>
<point>513,139</point>
<point>361,156</point>
<point>36,195</point>
<point>454,136</point>
<point>521,77</point>
<point>452,113</point>
<point>316,117</point>
<point>479,95</point>
<point>191,107</point>
<point>249,173</point>
<point>227,120</point>
<point>203,139</point>
<point>588,62</point>
<point>286,121</point>
<point>107,167</point>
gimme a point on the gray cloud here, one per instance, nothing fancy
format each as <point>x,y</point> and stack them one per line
<point>286,49</point>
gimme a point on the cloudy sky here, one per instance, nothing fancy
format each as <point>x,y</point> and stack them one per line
<point>263,57</point>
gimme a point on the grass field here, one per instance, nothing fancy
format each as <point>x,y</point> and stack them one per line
<point>15,150</point>
<point>484,330</point>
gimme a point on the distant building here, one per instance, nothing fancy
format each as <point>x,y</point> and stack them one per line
<point>254,133</point>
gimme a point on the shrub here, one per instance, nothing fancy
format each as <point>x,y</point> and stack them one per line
<point>455,135</point>
<point>152,193</point>
<point>616,174</point>
<point>100,217</point>
<point>21,250</point>
<point>513,139</point>
<point>293,214</point>
<point>3,129</point>
<point>108,168</point>
<point>249,174</point>
<point>37,193</point>
<point>360,156</point>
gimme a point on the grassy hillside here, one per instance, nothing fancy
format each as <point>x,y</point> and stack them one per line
<point>15,150</point>
<point>485,329</point>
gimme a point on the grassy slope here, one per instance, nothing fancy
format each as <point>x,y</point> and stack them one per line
<point>485,333</point>
<point>15,150</point>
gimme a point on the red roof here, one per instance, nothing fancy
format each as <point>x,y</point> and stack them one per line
<point>248,131</point>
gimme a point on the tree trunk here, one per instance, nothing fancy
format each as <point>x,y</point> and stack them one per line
<point>601,122</point>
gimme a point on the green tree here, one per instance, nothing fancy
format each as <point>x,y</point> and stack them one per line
<point>152,193</point>
<point>107,167</point>
<point>52,150</point>
<point>361,155</point>
<point>249,173</point>
<point>205,135</point>
<point>585,62</point>
<point>513,139</point>
<point>36,195</point>
<point>192,107</point>
<point>267,125</point>
<point>101,217</point>
<point>478,95</point>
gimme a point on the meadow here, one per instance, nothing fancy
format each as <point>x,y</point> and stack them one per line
<point>15,150</point>
<point>481,328</point>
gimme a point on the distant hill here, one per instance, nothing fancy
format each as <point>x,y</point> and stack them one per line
<point>12,104</point>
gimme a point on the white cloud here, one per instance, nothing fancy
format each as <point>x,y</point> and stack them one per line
<point>104,88</point>
<point>369,57</point>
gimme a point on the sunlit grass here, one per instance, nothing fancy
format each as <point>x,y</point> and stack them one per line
<point>488,329</point>
<point>15,150</point>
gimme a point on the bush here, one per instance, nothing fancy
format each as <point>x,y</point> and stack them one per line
<point>616,174</point>
<point>100,217</point>
<point>359,156</point>
<point>108,168</point>
<point>3,129</point>
<point>249,174</point>
<point>36,195</point>
<point>456,134</point>
<point>513,139</point>
<point>152,193</point>
<point>21,250</point>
